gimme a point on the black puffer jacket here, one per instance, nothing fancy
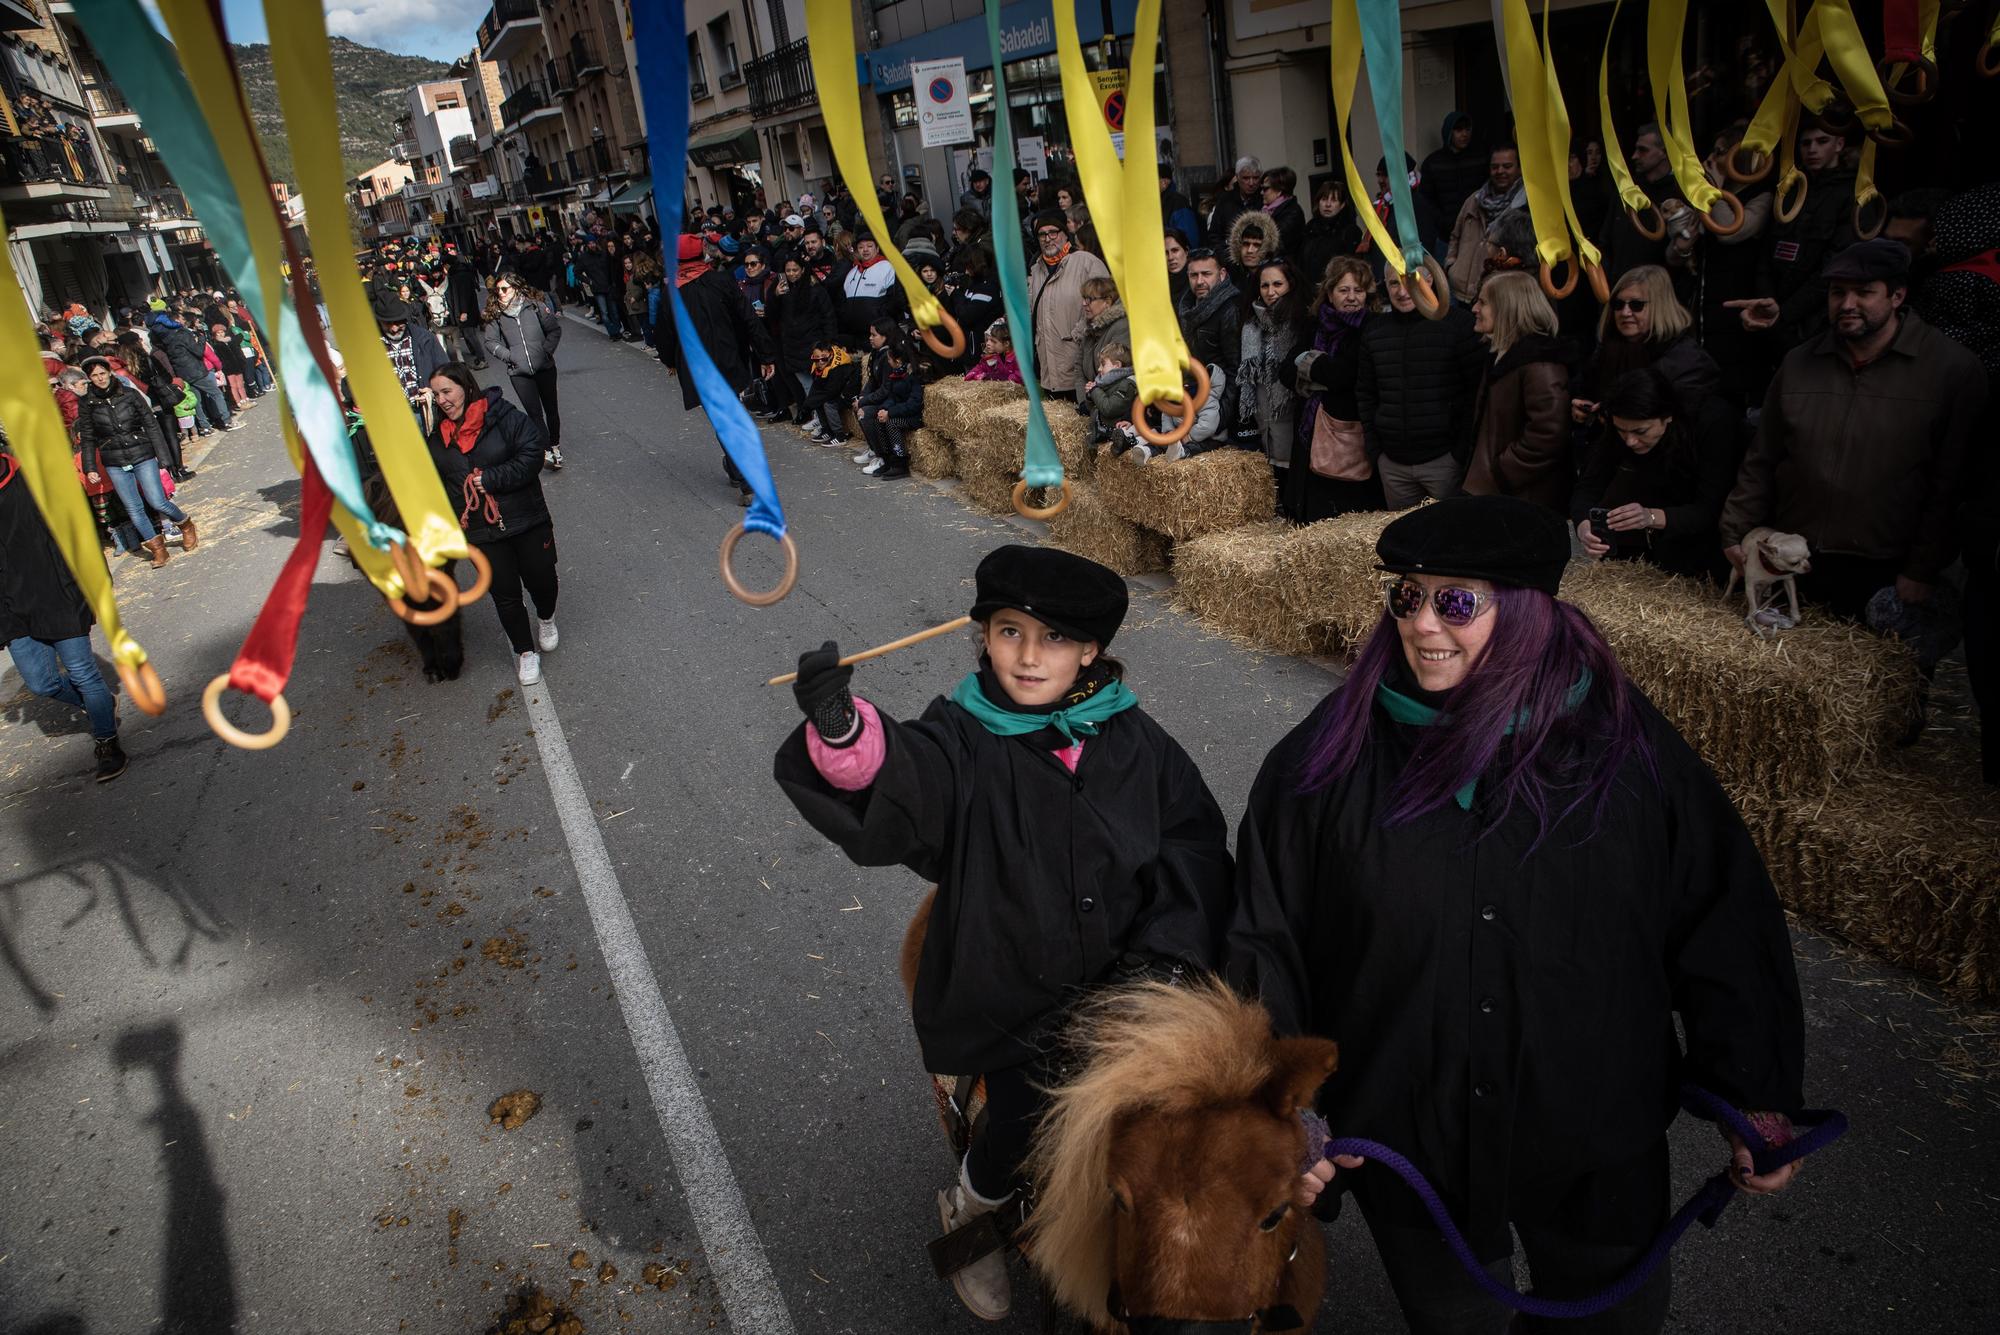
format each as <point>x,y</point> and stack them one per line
<point>117,427</point>
<point>508,456</point>
<point>183,349</point>
<point>1417,383</point>
<point>804,315</point>
<point>1213,328</point>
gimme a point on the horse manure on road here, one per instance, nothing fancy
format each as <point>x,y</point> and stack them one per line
<point>532,1312</point>
<point>512,1109</point>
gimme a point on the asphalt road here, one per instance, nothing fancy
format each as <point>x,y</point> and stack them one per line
<point>256,1006</point>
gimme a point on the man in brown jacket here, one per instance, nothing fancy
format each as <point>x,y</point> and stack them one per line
<point>1055,295</point>
<point>1863,442</point>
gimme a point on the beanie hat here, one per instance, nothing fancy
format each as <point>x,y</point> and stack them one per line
<point>690,248</point>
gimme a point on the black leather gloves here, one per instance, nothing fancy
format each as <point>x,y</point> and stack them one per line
<point>823,697</point>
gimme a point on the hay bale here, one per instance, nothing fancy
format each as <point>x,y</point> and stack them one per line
<point>1087,528</point>
<point>954,406</point>
<point>1229,581</point>
<point>1221,489</point>
<point>1327,576</point>
<point>1786,716</point>
<point>1903,861</point>
<point>986,491</point>
<point>931,453</point>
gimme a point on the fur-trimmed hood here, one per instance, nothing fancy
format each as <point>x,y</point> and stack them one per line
<point>1256,220</point>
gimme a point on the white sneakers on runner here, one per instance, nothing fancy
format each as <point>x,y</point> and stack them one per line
<point>529,668</point>
<point>546,637</point>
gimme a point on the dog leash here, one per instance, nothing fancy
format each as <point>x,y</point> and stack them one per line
<point>477,498</point>
<point>1823,1127</point>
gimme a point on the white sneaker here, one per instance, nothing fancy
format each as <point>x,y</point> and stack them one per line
<point>873,466</point>
<point>983,1286</point>
<point>818,436</point>
<point>529,668</point>
<point>1139,454</point>
<point>863,456</point>
<point>546,637</point>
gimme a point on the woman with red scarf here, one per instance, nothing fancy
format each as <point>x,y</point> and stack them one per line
<point>489,454</point>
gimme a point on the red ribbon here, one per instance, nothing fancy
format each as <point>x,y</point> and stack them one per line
<point>264,664</point>
<point>1902,32</point>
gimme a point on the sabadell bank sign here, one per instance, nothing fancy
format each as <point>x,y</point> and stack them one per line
<point>1026,29</point>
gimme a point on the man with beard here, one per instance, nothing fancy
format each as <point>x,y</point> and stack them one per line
<point>1055,296</point>
<point>1211,319</point>
<point>1864,440</point>
<point>1504,190</point>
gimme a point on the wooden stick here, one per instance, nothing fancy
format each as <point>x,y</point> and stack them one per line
<point>889,648</point>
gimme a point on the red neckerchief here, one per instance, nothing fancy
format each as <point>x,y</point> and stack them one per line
<point>464,433</point>
<point>7,460</point>
<point>866,265</point>
<point>1053,261</point>
<point>689,271</point>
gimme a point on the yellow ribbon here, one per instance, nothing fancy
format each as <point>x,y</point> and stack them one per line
<point>830,43</point>
<point>1557,116</point>
<point>42,448</point>
<point>1774,112</point>
<point>1852,65</point>
<point>1541,168</point>
<point>1124,200</point>
<point>1629,192</point>
<point>1665,22</point>
<point>1345,50</point>
<point>304,70</point>
<point>199,44</point>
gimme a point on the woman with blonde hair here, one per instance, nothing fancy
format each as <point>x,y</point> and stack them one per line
<point>1520,444</point>
<point>1644,325</point>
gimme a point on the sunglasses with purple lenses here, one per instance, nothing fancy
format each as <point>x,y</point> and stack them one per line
<point>1454,606</point>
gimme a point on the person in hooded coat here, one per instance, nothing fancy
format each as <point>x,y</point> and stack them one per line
<point>463,306</point>
<point>1455,169</point>
<point>1253,239</point>
<point>734,338</point>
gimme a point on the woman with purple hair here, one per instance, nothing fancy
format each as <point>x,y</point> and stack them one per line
<point>1490,870</point>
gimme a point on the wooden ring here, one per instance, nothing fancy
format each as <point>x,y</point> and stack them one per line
<point>1549,286</point>
<point>1708,219</point>
<point>1431,289</point>
<point>1893,75</point>
<point>950,348</point>
<point>483,582</point>
<point>1761,164</point>
<point>409,563</point>
<point>1865,230</point>
<point>1987,62</point>
<point>1653,233</point>
<point>751,596</point>
<point>211,709</point>
<point>1600,286</point>
<point>1837,116</point>
<point>1895,135</point>
<point>1785,215</point>
<point>447,600</point>
<point>1189,405</point>
<point>143,688</point>
<point>1027,511</point>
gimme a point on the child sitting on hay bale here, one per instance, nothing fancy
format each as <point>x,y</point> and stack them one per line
<point>1205,435</point>
<point>1109,398</point>
<point>996,356</point>
<point>1049,881</point>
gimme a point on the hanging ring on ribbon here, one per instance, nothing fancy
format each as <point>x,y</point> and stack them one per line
<point>143,688</point>
<point>1189,405</point>
<point>446,599</point>
<point>1653,233</point>
<point>1600,285</point>
<point>1760,165</point>
<point>1430,288</point>
<point>950,347</point>
<point>1027,511</point>
<point>1871,214</point>
<point>1896,73</point>
<point>751,596</point>
<point>1987,62</point>
<point>1784,213</point>
<point>1894,135</point>
<point>1549,286</point>
<point>211,709</point>
<point>483,582</point>
<point>1838,117</point>
<point>1736,206</point>
<point>408,563</point>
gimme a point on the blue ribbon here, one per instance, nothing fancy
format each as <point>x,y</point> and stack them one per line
<point>659,36</point>
<point>1382,42</point>
<point>147,70</point>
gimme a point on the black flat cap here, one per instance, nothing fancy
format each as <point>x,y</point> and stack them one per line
<point>1498,538</point>
<point>1065,592</point>
<point>1055,218</point>
<point>390,308</point>
<point>1883,260</point>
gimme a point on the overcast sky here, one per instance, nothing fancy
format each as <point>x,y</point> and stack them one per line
<point>441,29</point>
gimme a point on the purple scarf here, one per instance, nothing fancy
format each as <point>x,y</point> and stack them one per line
<point>1333,327</point>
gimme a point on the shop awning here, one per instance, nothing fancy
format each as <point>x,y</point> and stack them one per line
<point>725,150</point>
<point>633,194</point>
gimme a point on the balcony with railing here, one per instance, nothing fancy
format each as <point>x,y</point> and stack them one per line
<point>584,59</point>
<point>508,28</point>
<point>557,74</point>
<point>108,108</point>
<point>527,103</point>
<point>595,159</point>
<point>464,152</point>
<point>166,204</point>
<point>781,80</point>
<point>550,179</point>
<point>51,165</point>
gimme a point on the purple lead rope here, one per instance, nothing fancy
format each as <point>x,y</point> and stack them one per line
<point>1706,1205</point>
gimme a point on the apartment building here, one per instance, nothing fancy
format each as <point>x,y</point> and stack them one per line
<point>379,202</point>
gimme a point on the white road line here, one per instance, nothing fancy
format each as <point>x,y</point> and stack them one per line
<point>735,1253</point>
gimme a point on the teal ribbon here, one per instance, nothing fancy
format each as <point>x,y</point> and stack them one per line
<point>1382,43</point>
<point>1042,466</point>
<point>146,69</point>
<point>1084,718</point>
<point>1403,709</point>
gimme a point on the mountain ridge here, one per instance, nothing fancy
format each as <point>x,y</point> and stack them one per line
<point>369,84</point>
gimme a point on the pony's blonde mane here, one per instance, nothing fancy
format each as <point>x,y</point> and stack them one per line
<point>1144,1047</point>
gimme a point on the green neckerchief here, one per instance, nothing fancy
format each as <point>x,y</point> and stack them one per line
<point>1082,716</point>
<point>1403,709</point>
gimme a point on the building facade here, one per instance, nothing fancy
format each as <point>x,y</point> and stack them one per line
<point>380,202</point>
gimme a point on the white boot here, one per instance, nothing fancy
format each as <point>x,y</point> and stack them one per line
<point>983,1286</point>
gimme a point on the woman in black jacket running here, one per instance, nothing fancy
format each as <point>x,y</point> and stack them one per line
<point>489,455</point>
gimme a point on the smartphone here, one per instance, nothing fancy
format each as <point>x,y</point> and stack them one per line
<point>1600,525</point>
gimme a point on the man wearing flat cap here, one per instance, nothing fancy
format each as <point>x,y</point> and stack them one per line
<point>1863,442</point>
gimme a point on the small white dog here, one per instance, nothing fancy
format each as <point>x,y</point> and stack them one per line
<point>1771,560</point>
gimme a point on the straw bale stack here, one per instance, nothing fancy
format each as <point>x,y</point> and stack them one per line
<point>1217,490</point>
<point>954,406</point>
<point>1785,716</point>
<point>932,454</point>
<point>1229,581</point>
<point>1087,528</point>
<point>1327,576</point>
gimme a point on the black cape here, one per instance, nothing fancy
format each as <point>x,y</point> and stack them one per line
<point>38,596</point>
<point>1506,1018</point>
<point>1045,879</point>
